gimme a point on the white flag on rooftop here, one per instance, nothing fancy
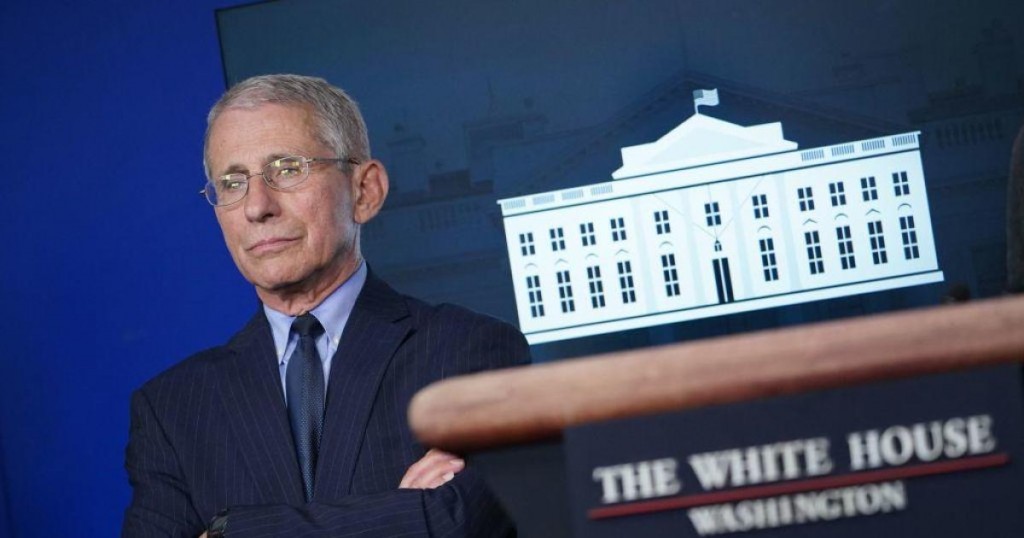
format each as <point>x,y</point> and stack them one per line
<point>704,97</point>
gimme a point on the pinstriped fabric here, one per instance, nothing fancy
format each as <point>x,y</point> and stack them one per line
<point>213,432</point>
<point>249,389</point>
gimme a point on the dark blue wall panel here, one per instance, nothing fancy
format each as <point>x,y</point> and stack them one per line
<point>109,254</point>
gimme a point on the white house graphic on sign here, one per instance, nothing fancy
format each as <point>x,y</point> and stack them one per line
<point>716,218</point>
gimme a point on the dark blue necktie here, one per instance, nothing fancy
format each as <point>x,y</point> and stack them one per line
<point>305,386</point>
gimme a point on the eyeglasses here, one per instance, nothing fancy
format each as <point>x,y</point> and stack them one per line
<point>280,174</point>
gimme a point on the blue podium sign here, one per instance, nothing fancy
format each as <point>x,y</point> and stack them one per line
<point>934,456</point>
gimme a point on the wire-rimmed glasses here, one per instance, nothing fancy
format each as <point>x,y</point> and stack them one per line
<point>280,174</point>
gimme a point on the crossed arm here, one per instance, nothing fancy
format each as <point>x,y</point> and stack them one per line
<point>437,496</point>
<point>433,470</point>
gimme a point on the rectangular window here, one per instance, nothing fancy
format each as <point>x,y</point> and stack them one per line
<point>838,193</point>
<point>768,263</point>
<point>760,202</point>
<point>618,229</point>
<point>814,252</point>
<point>587,233</point>
<point>661,222</point>
<point>536,301</point>
<point>900,183</point>
<point>909,234</point>
<point>845,241</point>
<point>626,282</point>
<point>711,212</point>
<point>806,198</point>
<point>669,273</point>
<point>526,244</point>
<point>877,242</point>
<point>557,239</point>
<point>596,286</point>
<point>868,189</point>
<point>565,292</point>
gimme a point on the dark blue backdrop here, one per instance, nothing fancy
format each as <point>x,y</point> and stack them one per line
<point>113,267</point>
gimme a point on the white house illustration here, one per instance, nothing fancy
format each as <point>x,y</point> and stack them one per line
<point>716,218</point>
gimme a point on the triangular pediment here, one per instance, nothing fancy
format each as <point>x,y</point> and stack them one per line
<point>702,140</point>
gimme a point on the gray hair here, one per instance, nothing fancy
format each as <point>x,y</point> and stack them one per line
<point>339,125</point>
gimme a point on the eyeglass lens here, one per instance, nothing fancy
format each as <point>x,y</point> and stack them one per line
<point>282,173</point>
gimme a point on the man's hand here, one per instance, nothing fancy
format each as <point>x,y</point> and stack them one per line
<point>434,469</point>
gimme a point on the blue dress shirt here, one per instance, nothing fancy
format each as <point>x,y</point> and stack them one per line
<point>332,313</point>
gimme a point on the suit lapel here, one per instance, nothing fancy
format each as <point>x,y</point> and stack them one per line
<point>250,389</point>
<point>377,326</point>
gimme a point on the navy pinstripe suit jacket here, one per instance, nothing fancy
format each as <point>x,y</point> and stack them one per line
<point>212,432</point>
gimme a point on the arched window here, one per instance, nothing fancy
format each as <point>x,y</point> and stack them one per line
<point>766,248</point>
<point>908,232</point>
<point>595,283</point>
<point>624,269</point>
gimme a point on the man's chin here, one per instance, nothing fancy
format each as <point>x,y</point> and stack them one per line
<point>280,286</point>
<point>280,282</point>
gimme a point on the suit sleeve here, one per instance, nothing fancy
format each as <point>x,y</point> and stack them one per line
<point>464,507</point>
<point>161,504</point>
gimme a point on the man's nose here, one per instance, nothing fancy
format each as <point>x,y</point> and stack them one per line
<point>260,201</point>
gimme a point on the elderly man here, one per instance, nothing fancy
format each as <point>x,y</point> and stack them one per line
<point>297,426</point>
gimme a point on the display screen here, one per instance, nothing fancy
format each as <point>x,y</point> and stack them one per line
<point>614,175</point>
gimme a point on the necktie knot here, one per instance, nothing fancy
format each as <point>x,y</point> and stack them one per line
<point>307,325</point>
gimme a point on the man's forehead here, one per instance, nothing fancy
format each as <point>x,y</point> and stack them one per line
<point>241,138</point>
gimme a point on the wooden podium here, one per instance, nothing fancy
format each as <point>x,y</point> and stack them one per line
<point>615,444</point>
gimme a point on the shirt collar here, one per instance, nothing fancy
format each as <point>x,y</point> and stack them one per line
<point>332,313</point>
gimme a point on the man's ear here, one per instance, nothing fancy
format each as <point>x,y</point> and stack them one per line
<point>369,190</point>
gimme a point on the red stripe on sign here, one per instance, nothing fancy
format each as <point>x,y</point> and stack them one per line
<point>828,482</point>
